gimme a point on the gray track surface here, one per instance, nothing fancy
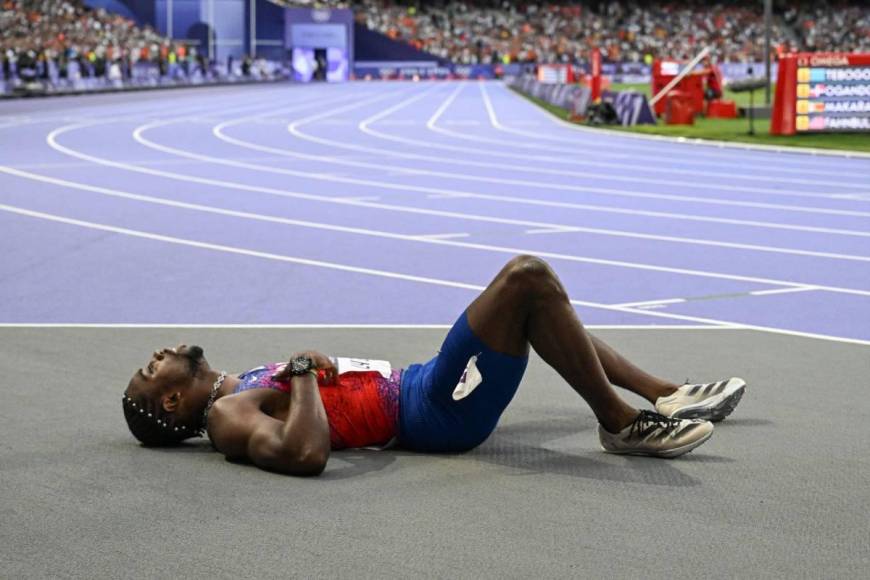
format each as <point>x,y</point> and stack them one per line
<point>780,491</point>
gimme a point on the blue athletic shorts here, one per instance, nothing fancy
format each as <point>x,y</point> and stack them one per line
<point>430,420</point>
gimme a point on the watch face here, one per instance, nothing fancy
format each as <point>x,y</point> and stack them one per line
<point>300,366</point>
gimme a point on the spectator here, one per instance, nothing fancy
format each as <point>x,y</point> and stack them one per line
<point>63,43</point>
<point>490,32</point>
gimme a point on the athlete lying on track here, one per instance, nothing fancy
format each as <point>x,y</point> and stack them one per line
<point>287,417</point>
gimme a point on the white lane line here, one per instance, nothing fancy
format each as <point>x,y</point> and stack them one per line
<point>649,303</point>
<point>656,214</point>
<point>466,216</point>
<point>552,230</point>
<point>293,128</point>
<point>783,291</point>
<point>446,195</point>
<point>140,162</point>
<point>218,132</point>
<point>442,236</point>
<point>339,326</point>
<point>243,326</point>
<point>580,158</point>
<point>596,133</point>
<point>389,235</point>
<point>137,134</point>
<point>388,274</point>
<point>330,200</point>
<point>361,198</point>
<point>431,124</point>
<point>556,256</point>
<point>664,302</point>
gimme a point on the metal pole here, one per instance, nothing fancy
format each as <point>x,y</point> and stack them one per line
<point>768,16</point>
<point>169,22</point>
<point>211,46</point>
<point>252,49</point>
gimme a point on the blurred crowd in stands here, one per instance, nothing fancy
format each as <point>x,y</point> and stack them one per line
<point>68,46</point>
<point>499,31</point>
<point>62,43</point>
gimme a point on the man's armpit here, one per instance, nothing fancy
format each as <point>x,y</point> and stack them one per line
<point>230,426</point>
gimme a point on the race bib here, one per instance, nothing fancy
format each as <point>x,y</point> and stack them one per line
<point>362,365</point>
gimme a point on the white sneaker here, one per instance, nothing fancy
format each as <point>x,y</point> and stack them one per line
<point>712,402</point>
<point>656,435</point>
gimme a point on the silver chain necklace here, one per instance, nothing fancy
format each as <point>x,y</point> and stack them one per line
<point>211,398</point>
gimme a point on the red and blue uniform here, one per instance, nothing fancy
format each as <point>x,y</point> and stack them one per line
<point>425,407</point>
<point>362,407</point>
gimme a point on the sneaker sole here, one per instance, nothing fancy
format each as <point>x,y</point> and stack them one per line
<point>667,453</point>
<point>714,411</point>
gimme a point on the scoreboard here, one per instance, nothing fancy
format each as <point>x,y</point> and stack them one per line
<point>822,92</point>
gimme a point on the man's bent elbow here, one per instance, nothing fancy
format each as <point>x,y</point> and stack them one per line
<point>309,463</point>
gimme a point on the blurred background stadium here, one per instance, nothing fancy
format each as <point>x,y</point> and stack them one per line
<point>71,46</point>
<point>97,42</point>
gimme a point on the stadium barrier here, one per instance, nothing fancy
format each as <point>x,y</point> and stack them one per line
<point>406,71</point>
<point>631,108</point>
<point>141,76</point>
<point>574,98</point>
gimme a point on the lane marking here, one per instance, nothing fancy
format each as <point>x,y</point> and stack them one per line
<point>446,195</point>
<point>243,326</point>
<point>431,125</point>
<point>648,303</point>
<point>218,132</point>
<point>662,303</point>
<point>442,236</point>
<point>783,291</point>
<point>137,134</point>
<point>557,230</point>
<point>298,260</point>
<point>365,127</point>
<point>634,161</point>
<point>595,133</point>
<point>384,234</point>
<point>388,274</point>
<point>361,198</point>
<point>535,184</point>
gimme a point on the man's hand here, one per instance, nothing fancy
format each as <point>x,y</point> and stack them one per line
<point>321,363</point>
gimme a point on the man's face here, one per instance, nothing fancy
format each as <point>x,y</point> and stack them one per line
<point>170,366</point>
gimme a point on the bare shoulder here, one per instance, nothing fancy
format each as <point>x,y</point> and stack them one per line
<point>234,419</point>
<point>243,428</point>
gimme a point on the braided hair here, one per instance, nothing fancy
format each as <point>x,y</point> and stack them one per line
<point>151,425</point>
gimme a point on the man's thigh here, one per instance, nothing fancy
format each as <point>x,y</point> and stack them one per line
<point>463,391</point>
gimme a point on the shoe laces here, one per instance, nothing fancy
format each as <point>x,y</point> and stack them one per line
<point>648,419</point>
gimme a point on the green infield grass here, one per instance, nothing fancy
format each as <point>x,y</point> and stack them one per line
<point>736,130</point>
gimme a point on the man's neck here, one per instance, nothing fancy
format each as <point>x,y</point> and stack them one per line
<point>208,380</point>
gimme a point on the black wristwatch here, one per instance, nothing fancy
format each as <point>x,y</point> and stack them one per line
<point>301,365</point>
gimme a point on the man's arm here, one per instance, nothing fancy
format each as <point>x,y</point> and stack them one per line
<point>297,446</point>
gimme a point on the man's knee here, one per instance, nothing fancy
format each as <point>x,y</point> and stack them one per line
<point>530,274</point>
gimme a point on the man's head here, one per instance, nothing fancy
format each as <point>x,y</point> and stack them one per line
<point>164,401</point>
